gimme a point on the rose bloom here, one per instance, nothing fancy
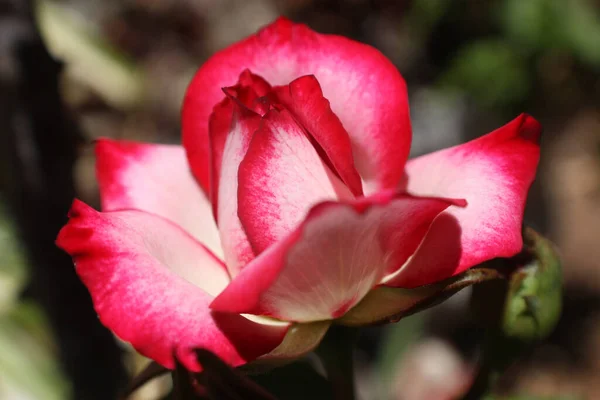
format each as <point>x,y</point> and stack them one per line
<point>290,204</point>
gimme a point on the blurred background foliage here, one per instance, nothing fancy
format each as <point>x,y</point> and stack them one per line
<point>470,66</point>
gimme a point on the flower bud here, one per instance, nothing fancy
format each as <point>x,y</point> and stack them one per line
<point>534,297</point>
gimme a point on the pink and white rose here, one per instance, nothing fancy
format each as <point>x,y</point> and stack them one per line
<point>290,200</point>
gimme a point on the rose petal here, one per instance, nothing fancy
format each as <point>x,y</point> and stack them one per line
<point>304,98</point>
<point>247,94</point>
<point>333,259</point>
<point>366,92</point>
<point>151,284</point>
<point>493,173</point>
<point>219,125</point>
<point>280,179</point>
<point>156,179</point>
<point>236,246</point>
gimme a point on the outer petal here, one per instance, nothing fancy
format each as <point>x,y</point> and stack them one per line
<point>237,249</point>
<point>365,90</point>
<point>156,179</point>
<point>332,260</point>
<point>151,284</point>
<point>304,98</point>
<point>493,173</point>
<point>280,179</point>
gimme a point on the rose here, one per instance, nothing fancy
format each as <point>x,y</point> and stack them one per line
<point>302,161</point>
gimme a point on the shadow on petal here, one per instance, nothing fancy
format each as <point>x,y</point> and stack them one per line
<point>436,259</point>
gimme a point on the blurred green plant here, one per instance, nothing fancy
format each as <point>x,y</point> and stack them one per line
<point>27,354</point>
<point>427,13</point>
<point>397,340</point>
<point>498,69</point>
<point>491,70</point>
<point>534,298</point>
<point>89,59</point>
<point>519,311</point>
<point>542,25</point>
<point>530,398</point>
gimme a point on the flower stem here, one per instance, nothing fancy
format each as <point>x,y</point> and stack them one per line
<point>336,351</point>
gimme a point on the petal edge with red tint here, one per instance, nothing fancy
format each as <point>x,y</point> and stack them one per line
<point>151,284</point>
<point>493,173</point>
<point>304,98</point>
<point>236,247</point>
<point>157,179</point>
<point>281,177</point>
<point>365,90</point>
<point>326,266</point>
<point>246,94</point>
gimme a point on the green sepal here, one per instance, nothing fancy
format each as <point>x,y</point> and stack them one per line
<point>300,339</point>
<point>387,304</point>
